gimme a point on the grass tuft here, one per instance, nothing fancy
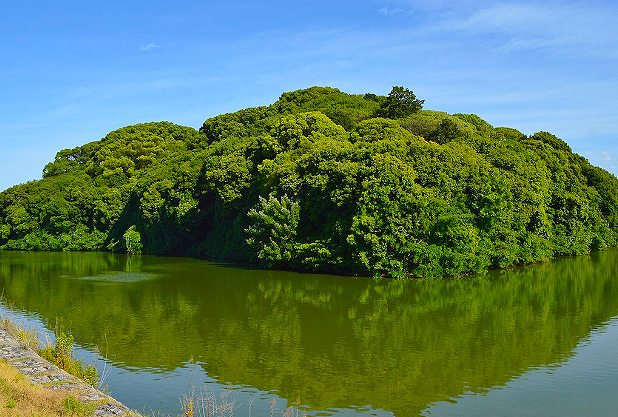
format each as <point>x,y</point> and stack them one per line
<point>75,407</point>
<point>28,338</point>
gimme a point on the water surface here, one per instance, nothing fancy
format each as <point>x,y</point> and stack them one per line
<point>540,340</point>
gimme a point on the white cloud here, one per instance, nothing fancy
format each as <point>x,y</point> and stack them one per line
<point>149,47</point>
<point>607,156</point>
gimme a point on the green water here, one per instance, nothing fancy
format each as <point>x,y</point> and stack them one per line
<point>541,340</point>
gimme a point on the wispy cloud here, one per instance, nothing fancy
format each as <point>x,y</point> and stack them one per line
<point>561,27</point>
<point>607,156</point>
<point>510,18</point>
<point>149,47</point>
<point>390,11</point>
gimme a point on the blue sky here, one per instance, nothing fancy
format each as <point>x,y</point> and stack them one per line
<point>71,71</point>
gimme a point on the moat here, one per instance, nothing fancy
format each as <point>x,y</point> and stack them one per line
<point>539,340</point>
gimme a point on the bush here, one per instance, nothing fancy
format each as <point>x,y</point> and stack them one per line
<point>61,354</point>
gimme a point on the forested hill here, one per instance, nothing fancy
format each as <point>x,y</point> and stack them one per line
<point>322,180</point>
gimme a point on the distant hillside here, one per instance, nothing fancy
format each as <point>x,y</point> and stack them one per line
<point>322,180</point>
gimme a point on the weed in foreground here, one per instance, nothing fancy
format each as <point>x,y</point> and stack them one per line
<point>210,404</point>
<point>105,369</point>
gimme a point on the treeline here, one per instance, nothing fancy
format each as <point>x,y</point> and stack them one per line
<point>322,180</point>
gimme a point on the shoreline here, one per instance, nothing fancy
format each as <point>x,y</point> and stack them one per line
<point>46,375</point>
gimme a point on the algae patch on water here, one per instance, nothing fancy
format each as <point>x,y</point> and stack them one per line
<point>121,277</point>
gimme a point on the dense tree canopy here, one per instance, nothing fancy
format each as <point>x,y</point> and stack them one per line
<point>316,181</point>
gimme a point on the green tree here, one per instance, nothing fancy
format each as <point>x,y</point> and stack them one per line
<point>272,230</point>
<point>401,102</point>
<point>133,241</point>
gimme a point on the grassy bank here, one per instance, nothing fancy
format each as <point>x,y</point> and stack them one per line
<point>30,386</point>
<point>19,397</point>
